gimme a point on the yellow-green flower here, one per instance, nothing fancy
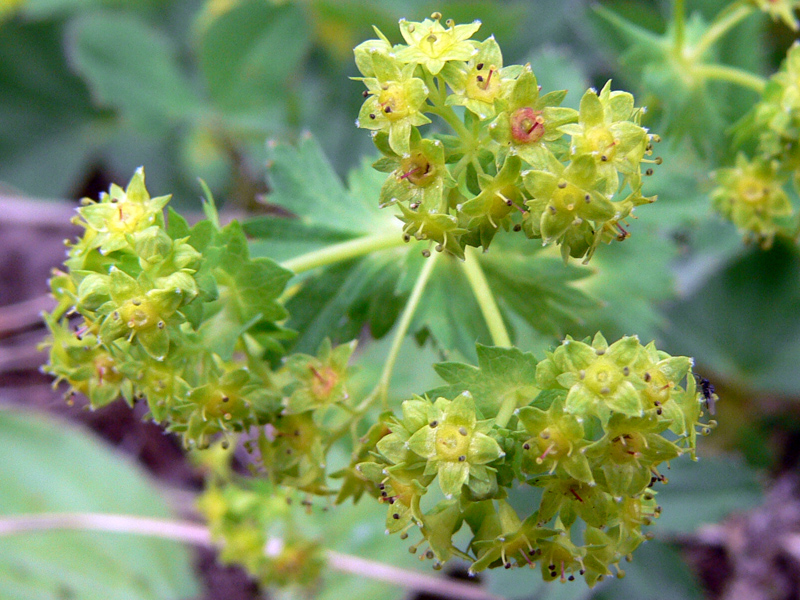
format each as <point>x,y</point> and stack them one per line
<point>751,195</point>
<point>431,45</point>
<point>394,100</point>
<point>455,444</point>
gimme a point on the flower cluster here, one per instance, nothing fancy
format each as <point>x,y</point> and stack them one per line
<point>591,437</point>
<point>254,523</point>
<point>515,159</point>
<point>783,10</point>
<point>752,196</point>
<point>184,319</point>
<point>752,193</point>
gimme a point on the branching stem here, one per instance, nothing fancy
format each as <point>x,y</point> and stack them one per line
<point>198,534</point>
<point>486,300</point>
<point>724,22</point>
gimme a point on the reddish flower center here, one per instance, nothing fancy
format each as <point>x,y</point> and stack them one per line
<point>527,125</point>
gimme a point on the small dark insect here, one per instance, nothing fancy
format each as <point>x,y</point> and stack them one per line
<point>708,392</point>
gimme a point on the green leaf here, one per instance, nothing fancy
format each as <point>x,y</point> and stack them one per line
<point>132,67</point>
<point>304,183</point>
<point>704,492</point>
<point>248,289</point>
<point>251,52</point>
<point>58,468</point>
<point>723,323</point>
<point>534,292</point>
<point>46,117</point>
<point>500,373</point>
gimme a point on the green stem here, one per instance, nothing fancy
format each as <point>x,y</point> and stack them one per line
<point>451,118</point>
<point>507,408</point>
<point>382,389</point>
<point>679,19</point>
<point>343,251</point>
<point>724,22</point>
<point>732,75</point>
<point>485,297</point>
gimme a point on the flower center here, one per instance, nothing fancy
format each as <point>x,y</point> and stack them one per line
<point>602,377</point>
<point>418,170</point>
<point>527,125</point>
<point>483,84</point>
<point>752,190</point>
<point>139,314</point>
<point>393,102</point>
<point>626,448</point>
<point>602,143</point>
<point>452,442</point>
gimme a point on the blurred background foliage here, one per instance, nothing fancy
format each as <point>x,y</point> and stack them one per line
<point>92,89</point>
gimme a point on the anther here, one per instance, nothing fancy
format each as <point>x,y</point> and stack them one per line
<point>365,93</point>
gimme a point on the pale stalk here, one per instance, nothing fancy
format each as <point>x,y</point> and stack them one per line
<point>507,408</point>
<point>336,253</point>
<point>679,19</point>
<point>382,389</point>
<point>485,297</point>
<point>724,22</point>
<point>199,535</point>
<point>732,75</point>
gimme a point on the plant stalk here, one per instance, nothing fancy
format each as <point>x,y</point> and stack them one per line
<point>343,251</point>
<point>199,535</point>
<point>732,75</point>
<point>486,300</point>
<point>724,22</point>
<point>404,325</point>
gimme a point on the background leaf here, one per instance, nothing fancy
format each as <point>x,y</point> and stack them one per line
<point>59,468</point>
<point>251,52</point>
<point>131,66</point>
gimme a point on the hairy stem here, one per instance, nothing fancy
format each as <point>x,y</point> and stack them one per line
<point>343,251</point>
<point>732,75</point>
<point>485,297</point>
<point>724,22</point>
<point>198,534</point>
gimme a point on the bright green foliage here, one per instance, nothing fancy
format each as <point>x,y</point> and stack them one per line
<point>186,320</point>
<point>460,190</point>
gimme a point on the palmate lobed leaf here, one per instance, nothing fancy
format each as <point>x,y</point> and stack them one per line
<point>533,290</point>
<point>500,372</point>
